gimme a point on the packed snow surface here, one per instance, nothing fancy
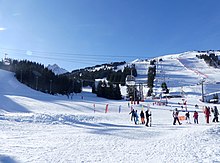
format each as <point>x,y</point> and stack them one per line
<point>36,127</point>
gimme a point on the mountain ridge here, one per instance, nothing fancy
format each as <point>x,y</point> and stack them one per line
<point>56,69</point>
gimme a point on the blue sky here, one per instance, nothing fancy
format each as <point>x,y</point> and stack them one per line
<point>81,33</point>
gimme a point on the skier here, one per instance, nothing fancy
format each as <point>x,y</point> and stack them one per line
<point>175,117</point>
<point>215,112</point>
<point>132,114</point>
<point>148,114</point>
<point>136,117</point>
<point>207,113</point>
<point>188,117</point>
<point>195,116</point>
<point>142,117</point>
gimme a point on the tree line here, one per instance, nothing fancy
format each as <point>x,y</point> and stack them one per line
<point>40,78</point>
<point>108,88</point>
<point>211,59</point>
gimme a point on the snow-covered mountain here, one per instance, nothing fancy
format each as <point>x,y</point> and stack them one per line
<point>38,127</point>
<point>56,69</point>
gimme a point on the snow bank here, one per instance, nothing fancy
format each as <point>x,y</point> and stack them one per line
<point>48,119</point>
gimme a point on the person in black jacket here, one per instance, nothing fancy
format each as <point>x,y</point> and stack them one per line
<point>215,112</point>
<point>132,114</point>
<point>148,114</point>
<point>142,117</point>
<point>188,117</point>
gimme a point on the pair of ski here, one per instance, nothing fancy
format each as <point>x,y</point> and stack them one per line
<point>150,119</point>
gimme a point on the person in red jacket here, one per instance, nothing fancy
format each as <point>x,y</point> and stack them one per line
<point>207,113</point>
<point>195,116</point>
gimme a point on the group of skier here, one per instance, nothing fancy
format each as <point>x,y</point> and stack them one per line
<point>147,116</point>
<point>187,117</point>
<point>207,111</point>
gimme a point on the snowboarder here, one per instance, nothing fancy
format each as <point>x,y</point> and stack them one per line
<point>148,114</point>
<point>132,115</point>
<point>195,116</point>
<point>187,117</point>
<point>142,117</point>
<point>216,113</point>
<point>175,117</point>
<point>207,113</point>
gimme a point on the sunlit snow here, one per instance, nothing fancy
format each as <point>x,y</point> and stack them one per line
<point>37,127</point>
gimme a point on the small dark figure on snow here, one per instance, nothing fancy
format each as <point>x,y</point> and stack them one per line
<point>175,117</point>
<point>187,117</point>
<point>136,117</point>
<point>119,109</point>
<point>132,114</point>
<point>142,117</point>
<point>216,113</point>
<point>195,116</point>
<point>196,106</point>
<point>148,114</point>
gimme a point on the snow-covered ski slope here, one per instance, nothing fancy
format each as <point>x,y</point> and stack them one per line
<point>36,127</point>
<point>186,72</point>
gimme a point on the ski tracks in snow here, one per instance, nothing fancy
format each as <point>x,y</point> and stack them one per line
<point>189,64</point>
<point>189,145</point>
<point>62,139</point>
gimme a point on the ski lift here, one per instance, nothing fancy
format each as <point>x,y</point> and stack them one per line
<point>6,60</point>
<point>130,80</point>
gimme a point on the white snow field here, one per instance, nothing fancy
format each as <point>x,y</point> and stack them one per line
<point>41,128</point>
